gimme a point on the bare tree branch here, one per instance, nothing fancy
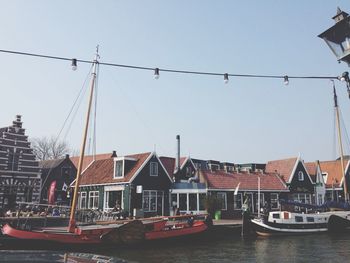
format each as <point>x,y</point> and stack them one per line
<point>48,148</point>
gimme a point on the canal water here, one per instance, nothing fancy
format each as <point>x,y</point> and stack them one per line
<point>308,248</point>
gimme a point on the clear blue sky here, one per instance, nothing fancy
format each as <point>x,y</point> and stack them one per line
<point>247,120</point>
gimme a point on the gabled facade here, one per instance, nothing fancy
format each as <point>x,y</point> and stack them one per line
<point>314,170</point>
<point>333,178</point>
<point>139,183</point>
<point>57,175</point>
<point>20,179</point>
<point>296,177</point>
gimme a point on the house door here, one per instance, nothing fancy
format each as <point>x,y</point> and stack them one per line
<point>160,203</point>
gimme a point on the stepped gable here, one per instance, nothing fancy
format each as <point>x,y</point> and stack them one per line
<point>283,167</point>
<point>333,170</point>
<point>102,171</point>
<point>248,181</point>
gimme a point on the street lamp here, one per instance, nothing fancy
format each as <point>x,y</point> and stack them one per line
<point>337,37</point>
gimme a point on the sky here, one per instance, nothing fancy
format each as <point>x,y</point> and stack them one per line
<point>246,120</point>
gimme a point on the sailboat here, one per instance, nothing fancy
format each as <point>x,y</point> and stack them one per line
<point>285,222</point>
<point>126,232</point>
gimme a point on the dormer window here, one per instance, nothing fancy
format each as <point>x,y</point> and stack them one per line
<point>300,176</point>
<point>119,169</point>
<point>154,169</point>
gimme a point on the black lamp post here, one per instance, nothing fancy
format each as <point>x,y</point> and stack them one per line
<point>337,37</point>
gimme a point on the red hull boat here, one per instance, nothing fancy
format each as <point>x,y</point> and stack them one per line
<point>126,233</point>
<point>162,230</point>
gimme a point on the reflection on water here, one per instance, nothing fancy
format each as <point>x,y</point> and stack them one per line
<point>308,248</point>
<point>226,247</point>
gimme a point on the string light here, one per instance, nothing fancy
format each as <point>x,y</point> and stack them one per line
<point>156,73</point>
<point>226,75</point>
<point>74,64</point>
<point>226,80</point>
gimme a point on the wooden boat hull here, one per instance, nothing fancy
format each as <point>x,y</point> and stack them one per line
<point>93,234</point>
<point>337,224</point>
<point>84,237</point>
<point>176,231</point>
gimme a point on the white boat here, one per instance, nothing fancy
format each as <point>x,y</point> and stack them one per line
<point>284,222</point>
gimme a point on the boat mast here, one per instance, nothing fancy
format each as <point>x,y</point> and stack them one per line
<point>340,144</point>
<point>72,222</point>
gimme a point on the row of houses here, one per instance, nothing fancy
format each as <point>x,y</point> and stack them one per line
<point>146,184</point>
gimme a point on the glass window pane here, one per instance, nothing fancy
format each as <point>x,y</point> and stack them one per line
<point>202,198</point>
<point>183,201</point>
<point>193,202</point>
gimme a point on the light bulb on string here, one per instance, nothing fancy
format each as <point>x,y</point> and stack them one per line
<point>74,64</point>
<point>156,73</point>
<point>226,80</point>
<point>286,80</point>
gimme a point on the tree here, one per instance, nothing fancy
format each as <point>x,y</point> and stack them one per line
<point>46,148</point>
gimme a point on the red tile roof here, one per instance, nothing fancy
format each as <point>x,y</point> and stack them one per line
<point>88,159</point>
<point>101,171</point>
<point>312,170</point>
<point>169,164</point>
<point>248,181</point>
<point>283,167</point>
<point>334,171</point>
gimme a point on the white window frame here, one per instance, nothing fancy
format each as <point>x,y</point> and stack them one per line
<point>155,165</point>
<point>149,200</point>
<point>301,176</point>
<point>235,201</point>
<point>115,169</point>
<point>82,196</point>
<point>92,196</point>
<point>275,200</point>
<point>224,195</point>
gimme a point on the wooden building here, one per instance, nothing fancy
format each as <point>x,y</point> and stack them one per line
<point>333,178</point>
<point>139,183</point>
<point>230,188</point>
<point>20,179</point>
<point>294,173</point>
<point>57,174</point>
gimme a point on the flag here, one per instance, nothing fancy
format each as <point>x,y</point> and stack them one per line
<point>64,187</point>
<point>51,193</point>
<point>237,187</point>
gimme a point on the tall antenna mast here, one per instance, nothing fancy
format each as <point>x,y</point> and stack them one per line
<point>340,143</point>
<point>72,222</point>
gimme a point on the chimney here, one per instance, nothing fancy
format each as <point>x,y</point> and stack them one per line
<point>178,153</point>
<point>114,154</point>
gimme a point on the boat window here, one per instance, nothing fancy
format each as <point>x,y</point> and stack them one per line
<point>299,219</point>
<point>277,216</point>
<point>310,219</point>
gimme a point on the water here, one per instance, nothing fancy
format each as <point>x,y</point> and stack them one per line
<point>308,248</point>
